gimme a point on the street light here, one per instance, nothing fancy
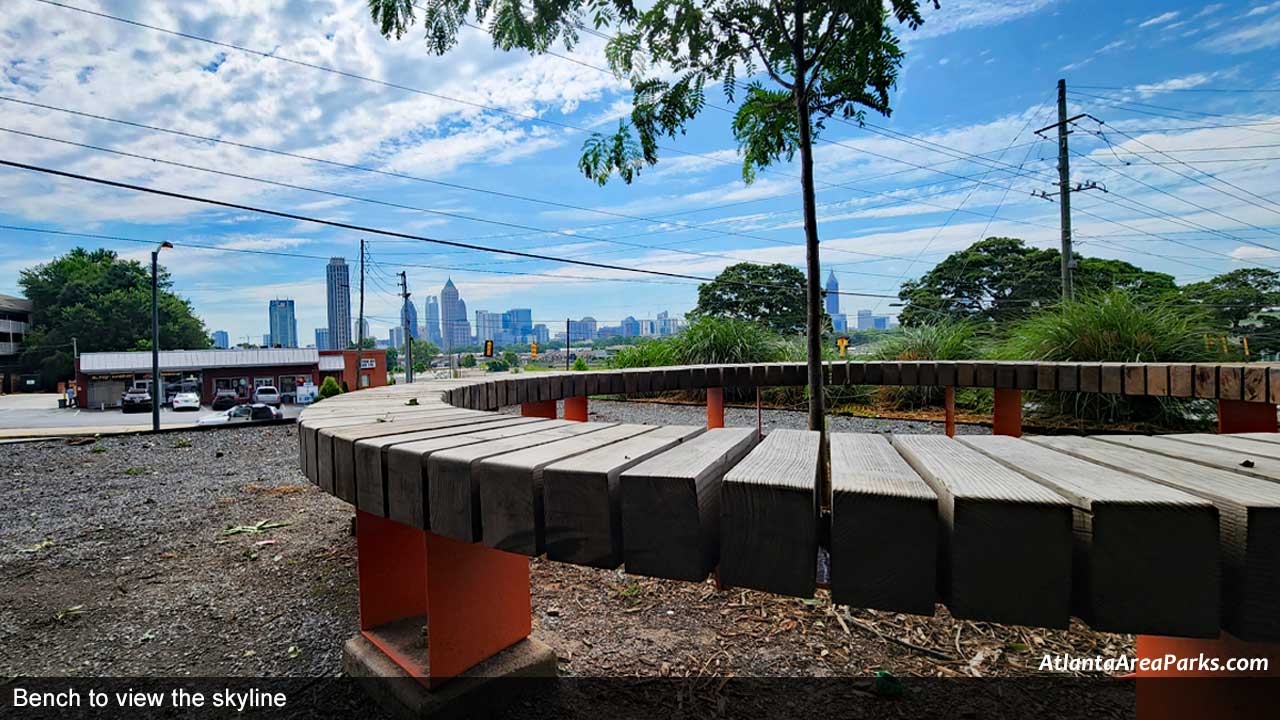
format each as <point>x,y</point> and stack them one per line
<point>157,386</point>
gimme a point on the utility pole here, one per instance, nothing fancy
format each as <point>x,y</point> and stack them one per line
<point>1065,189</point>
<point>360,321</point>
<point>568,343</point>
<point>404,323</point>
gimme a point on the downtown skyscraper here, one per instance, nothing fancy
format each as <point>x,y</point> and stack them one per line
<point>409,318</point>
<point>284,326</point>
<point>338,290</point>
<point>432,329</point>
<point>453,315</point>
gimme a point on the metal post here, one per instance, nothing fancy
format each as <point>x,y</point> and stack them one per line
<point>157,387</point>
<point>1064,190</point>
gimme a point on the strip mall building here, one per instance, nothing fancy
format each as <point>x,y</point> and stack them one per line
<point>101,378</point>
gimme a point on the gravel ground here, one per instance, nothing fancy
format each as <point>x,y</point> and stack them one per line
<point>115,560</point>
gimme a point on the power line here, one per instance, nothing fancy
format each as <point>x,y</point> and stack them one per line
<point>378,231</point>
<point>1190,90</point>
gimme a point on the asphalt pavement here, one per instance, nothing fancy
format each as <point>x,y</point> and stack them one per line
<point>39,412</point>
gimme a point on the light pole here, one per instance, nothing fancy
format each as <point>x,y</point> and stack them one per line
<point>157,386</point>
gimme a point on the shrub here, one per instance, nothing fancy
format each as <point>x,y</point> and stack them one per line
<point>719,340</point>
<point>647,353</point>
<point>329,388</point>
<point>496,366</point>
<point>579,364</point>
<point>1112,327</point>
<point>946,340</point>
<point>467,361</point>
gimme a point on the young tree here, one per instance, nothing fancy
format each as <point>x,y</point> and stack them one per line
<point>1235,296</point>
<point>802,61</point>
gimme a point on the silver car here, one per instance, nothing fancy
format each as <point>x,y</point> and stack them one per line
<point>267,395</point>
<point>186,401</point>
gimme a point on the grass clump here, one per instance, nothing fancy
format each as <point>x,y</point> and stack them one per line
<point>945,340</point>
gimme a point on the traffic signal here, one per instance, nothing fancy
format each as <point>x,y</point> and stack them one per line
<point>842,343</point>
<point>488,348</point>
<point>533,348</point>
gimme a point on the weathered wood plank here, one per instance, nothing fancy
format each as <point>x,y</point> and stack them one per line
<point>1205,381</point>
<point>996,525</point>
<point>671,505</point>
<point>1112,378</point>
<point>878,501</point>
<point>453,488</point>
<point>408,498</point>
<point>1145,555</point>
<point>319,435</point>
<point>1221,457</point>
<point>1182,380</point>
<point>1230,382</point>
<point>509,487</point>
<point>1158,380</point>
<point>1135,380</point>
<point>1090,377</point>
<point>1255,383</point>
<point>769,516</point>
<point>581,497</point>
<point>371,455</point>
<point>1249,523</point>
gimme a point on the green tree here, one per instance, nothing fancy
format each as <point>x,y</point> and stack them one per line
<point>393,358</point>
<point>103,302</point>
<point>424,351</point>
<point>805,62</point>
<point>771,295</point>
<point>467,361</point>
<point>1236,296</point>
<point>579,364</point>
<point>511,358</point>
<point>1001,279</point>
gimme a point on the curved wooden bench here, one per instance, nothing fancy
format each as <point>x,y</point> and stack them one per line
<point>1175,536</point>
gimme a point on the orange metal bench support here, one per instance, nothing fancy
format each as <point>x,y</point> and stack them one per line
<point>543,409</point>
<point>473,600</point>
<point>575,408</point>
<point>949,405</point>
<point>1238,416</point>
<point>715,408</point>
<point>1006,416</point>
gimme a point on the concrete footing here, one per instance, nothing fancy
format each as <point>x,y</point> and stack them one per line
<point>482,690</point>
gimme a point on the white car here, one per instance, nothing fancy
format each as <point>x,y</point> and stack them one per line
<point>242,414</point>
<point>186,401</point>
<point>267,395</point>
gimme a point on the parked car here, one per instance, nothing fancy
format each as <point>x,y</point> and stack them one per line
<point>225,399</point>
<point>267,395</point>
<point>257,412</point>
<point>135,399</point>
<point>186,401</point>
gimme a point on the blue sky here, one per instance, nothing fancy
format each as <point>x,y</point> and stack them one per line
<point>979,78</point>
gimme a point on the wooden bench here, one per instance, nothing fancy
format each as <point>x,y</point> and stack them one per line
<point>1173,535</point>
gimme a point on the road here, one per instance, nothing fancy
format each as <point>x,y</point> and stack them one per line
<point>39,411</point>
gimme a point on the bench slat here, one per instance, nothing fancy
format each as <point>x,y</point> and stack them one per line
<point>879,502</point>
<point>1006,540</point>
<point>769,516</point>
<point>1252,465</point>
<point>1248,525</point>
<point>1146,555</point>
<point>671,505</point>
<point>582,500</point>
<point>510,487</point>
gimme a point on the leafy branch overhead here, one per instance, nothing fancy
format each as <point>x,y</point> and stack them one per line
<point>784,64</point>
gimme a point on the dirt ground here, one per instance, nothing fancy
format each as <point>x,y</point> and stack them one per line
<point>208,554</point>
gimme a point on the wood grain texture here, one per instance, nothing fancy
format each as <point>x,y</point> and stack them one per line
<point>670,505</point>
<point>769,516</point>
<point>1157,380</point>
<point>406,468</point>
<point>371,455</point>
<point>582,497</point>
<point>879,502</point>
<point>1220,457</point>
<point>1249,524</point>
<point>510,487</point>
<point>1145,556</point>
<point>453,488</point>
<point>1255,383</point>
<point>996,525</point>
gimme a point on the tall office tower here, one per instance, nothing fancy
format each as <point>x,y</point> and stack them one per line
<point>630,327</point>
<point>453,317</point>
<point>284,326</point>
<point>322,339</point>
<point>433,322</point>
<point>363,332</point>
<point>865,320</point>
<point>220,339</point>
<point>266,340</point>
<point>397,338</point>
<point>338,289</point>
<point>540,334</point>
<point>489,327</point>
<point>409,316</point>
<point>516,323</point>
<point>833,294</point>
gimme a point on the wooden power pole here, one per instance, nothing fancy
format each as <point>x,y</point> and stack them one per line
<point>360,321</point>
<point>404,323</point>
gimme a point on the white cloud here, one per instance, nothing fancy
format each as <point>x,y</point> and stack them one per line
<point>1256,36</point>
<point>1159,19</point>
<point>1179,83</point>
<point>1253,252</point>
<point>957,15</point>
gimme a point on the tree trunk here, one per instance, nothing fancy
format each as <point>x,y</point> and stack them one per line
<point>817,411</point>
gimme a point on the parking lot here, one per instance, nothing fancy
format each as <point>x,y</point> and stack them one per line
<point>39,411</point>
